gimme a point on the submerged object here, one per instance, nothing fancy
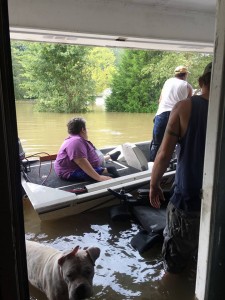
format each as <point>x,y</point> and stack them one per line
<point>151,220</point>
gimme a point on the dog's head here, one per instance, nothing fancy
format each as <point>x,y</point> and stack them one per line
<point>77,270</point>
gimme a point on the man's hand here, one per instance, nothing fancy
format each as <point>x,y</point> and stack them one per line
<point>173,133</point>
<point>156,196</point>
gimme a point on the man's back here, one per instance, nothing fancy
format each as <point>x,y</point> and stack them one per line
<point>188,181</point>
<point>174,90</point>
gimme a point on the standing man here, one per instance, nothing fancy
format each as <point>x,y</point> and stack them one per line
<point>186,126</point>
<point>174,89</point>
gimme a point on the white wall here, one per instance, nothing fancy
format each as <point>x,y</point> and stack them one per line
<point>101,22</point>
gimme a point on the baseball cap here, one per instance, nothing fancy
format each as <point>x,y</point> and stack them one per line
<point>207,69</point>
<point>181,69</point>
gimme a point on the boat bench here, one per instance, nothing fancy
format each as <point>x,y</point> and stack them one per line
<point>135,157</point>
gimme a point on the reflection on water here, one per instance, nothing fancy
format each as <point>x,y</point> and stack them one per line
<point>121,272</point>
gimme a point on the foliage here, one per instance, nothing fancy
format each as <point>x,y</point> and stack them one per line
<point>58,76</point>
<point>65,78</point>
<point>131,87</point>
<point>102,67</point>
<point>197,65</point>
<point>17,51</point>
<point>164,68</point>
<point>141,74</point>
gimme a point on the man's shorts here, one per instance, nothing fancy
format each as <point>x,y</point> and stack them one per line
<point>181,236</point>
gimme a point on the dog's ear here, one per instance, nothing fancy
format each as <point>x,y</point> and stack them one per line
<point>94,253</point>
<point>64,257</point>
<point>74,250</point>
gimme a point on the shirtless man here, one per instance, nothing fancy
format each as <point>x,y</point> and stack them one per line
<point>187,127</point>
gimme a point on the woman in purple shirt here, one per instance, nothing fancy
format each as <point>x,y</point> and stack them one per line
<point>77,158</point>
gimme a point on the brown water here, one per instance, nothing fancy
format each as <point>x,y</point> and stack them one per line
<point>121,272</point>
<point>46,131</point>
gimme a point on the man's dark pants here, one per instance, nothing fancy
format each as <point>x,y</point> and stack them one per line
<point>160,122</point>
<point>181,236</point>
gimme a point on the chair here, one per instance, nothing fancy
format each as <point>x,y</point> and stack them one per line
<point>134,157</point>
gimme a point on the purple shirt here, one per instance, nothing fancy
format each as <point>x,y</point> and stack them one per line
<point>74,147</point>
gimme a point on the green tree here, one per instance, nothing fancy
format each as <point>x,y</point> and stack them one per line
<point>131,86</point>
<point>58,76</point>
<point>198,62</point>
<point>102,67</point>
<point>141,74</point>
<point>163,69</point>
<point>65,78</point>
<point>17,50</point>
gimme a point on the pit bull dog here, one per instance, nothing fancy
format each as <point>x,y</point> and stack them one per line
<point>60,275</point>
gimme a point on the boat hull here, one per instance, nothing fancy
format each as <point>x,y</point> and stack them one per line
<point>60,201</point>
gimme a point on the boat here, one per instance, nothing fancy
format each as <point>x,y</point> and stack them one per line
<point>53,198</point>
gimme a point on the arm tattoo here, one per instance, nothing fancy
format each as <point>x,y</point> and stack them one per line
<point>170,132</point>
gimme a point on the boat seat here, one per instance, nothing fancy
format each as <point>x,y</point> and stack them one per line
<point>118,148</point>
<point>134,157</point>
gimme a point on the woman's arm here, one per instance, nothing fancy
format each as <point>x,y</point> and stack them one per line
<point>84,164</point>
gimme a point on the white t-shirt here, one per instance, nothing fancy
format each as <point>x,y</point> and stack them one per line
<point>173,91</point>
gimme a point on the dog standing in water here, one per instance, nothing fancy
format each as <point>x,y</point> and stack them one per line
<point>60,275</point>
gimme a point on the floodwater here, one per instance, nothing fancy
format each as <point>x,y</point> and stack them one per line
<point>121,272</point>
<point>46,131</point>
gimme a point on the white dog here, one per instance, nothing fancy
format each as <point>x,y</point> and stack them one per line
<point>61,276</point>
